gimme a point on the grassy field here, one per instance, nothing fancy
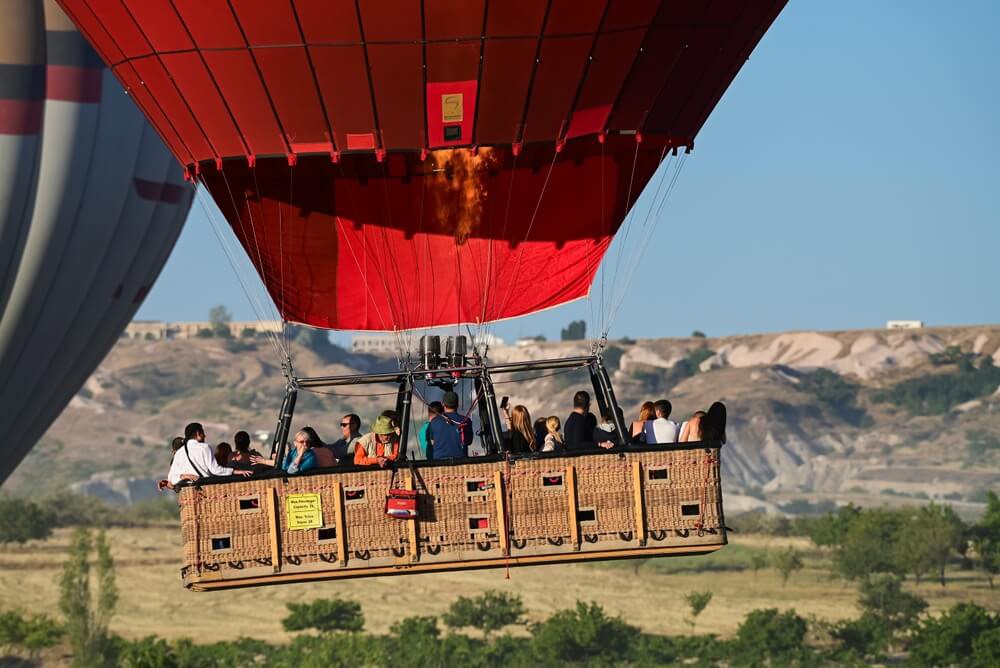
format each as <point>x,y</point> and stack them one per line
<point>648,594</point>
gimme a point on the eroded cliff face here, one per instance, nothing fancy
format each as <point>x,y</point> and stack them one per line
<point>787,434</point>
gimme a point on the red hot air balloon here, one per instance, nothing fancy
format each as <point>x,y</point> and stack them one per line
<point>393,165</point>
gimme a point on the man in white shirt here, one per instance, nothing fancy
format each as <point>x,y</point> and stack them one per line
<point>663,429</point>
<point>197,458</point>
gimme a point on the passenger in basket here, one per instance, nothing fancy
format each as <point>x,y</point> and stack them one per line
<point>450,432</point>
<point>240,458</point>
<point>223,451</point>
<point>321,450</point>
<point>662,429</point>
<point>691,430</point>
<point>541,431</point>
<point>300,456</point>
<point>350,430</point>
<point>713,425</point>
<point>605,433</point>
<point>434,409</point>
<point>197,458</point>
<point>580,424</point>
<point>378,447</point>
<point>647,413</point>
<point>520,436</point>
<point>176,444</point>
<point>394,416</point>
<point>553,438</point>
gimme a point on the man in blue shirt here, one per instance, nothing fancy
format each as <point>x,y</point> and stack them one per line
<point>450,432</point>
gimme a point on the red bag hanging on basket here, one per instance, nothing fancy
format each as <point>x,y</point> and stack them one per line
<point>401,503</point>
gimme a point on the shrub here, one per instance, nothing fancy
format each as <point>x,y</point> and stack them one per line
<point>868,635</point>
<point>935,394</point>
<point>488,612</point>
<point>986,649</point>
<point>697,601</point>
<point>787,561</point>
<point>22,520</point>
<point>883,596</point>
<point>835,392</point>
<point>31,634</point>
<point>947,639</point>
<point>329,614</point>
<point>583,635</point>
<point>771,635</point>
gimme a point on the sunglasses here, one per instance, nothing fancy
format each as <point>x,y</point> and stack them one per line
<point>345,424</point>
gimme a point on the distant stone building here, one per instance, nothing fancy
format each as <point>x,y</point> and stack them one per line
<point>374,344</point>
<point>904,324</point>
<point>158,330</point>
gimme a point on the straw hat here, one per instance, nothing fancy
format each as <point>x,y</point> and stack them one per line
<point>383,425</point>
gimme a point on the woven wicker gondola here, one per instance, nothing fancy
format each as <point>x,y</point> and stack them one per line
<point>478,513</point>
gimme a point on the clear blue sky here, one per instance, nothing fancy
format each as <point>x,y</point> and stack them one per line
<point>850,175</point>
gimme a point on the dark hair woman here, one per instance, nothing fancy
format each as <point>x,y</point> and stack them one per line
<point>713,425</point>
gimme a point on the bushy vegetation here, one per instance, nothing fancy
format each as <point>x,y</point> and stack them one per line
<point>660,381</point>
<point>574,331</point>
<point>22,520</point>
<point>27,634</point>
<point>935,394</point>
<point>836,393</point>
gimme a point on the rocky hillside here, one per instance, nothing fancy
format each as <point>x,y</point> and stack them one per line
<point>868,415</point>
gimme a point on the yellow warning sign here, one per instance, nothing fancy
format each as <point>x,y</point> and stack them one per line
<point>304,511</point>
<point>452,108</point>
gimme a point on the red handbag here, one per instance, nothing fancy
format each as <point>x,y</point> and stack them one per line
<point>400,503</point>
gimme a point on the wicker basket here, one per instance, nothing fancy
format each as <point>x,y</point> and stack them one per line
<point>474,514</point>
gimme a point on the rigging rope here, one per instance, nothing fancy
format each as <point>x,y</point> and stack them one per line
<point>255,304</point>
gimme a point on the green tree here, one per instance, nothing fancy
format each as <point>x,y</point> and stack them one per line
<point>868,545</point>
<point>324,615</point>
<point>697,334</point>
<point>584,635</point>
<point>488,612</point>
<point>887,612</point>
<point>87,617</point>
<point>947,640</point>
<point>986,538</point>
<point>22,520</point>
<point>986,649</point>
<point>697,601</point>
<point>787,561</point>
<point>219,318</point>
<point>831,529</point>
<point>770,637</point>
<point>883,596</point>
<point>574,331</point>
<point>926,539</point>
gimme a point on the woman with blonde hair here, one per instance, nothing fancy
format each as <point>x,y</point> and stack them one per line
<point>520,432</point>
<point>554,438</point>
<point>647,413</point>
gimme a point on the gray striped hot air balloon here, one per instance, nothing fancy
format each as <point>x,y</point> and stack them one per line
<point>91,204</point>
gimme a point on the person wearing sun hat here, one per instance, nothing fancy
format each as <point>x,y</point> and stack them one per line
<point>378,447</point>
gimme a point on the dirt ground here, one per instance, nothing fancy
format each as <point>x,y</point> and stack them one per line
<point>153,601</point>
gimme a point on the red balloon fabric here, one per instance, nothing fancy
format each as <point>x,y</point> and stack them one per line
<point>392,164</point>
